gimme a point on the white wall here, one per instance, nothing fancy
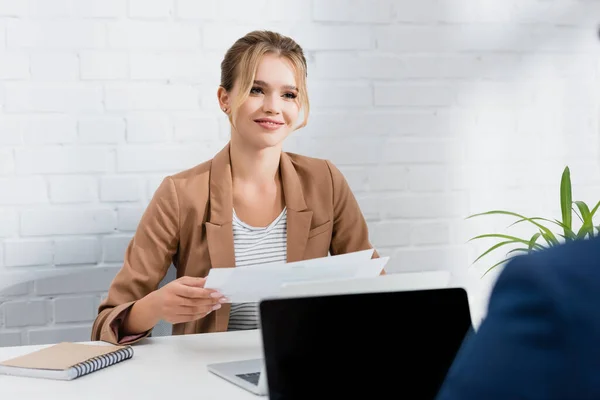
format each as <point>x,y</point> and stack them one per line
<point>434,109</point>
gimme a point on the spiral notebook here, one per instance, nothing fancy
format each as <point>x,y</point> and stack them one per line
<point>66,361</point>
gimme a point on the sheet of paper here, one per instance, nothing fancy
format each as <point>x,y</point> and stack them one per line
<point>253,283</point>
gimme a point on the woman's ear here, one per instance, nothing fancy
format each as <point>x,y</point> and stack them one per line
<point>223,97</point>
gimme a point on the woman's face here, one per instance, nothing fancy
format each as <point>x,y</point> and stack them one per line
<point>271,110</point>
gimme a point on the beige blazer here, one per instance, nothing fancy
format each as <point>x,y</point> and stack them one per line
<point>188,223</point>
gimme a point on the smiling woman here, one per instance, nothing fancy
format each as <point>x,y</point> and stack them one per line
<point>251,204</point>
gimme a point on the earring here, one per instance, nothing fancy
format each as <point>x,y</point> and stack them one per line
<point>224,109</point>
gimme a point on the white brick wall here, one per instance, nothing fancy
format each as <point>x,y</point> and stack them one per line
<point>433,109</point>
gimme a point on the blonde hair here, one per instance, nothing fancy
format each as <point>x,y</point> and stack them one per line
<point>241,61</point>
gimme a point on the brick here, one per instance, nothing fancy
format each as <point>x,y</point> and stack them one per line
<point>19,289</point>
<point>218,36</point>
<point>11,130</point>
<point>395,206</point>
<point>360,11</point>
<point>337,65</point>
<point>16,191</point>
<point>314,38</point>
<point>22,253</point>
<point>420,66</point>
<point>13,65</point>
<point>7,164</point>
<point>58,130</point>
<point>150,9</point>
<point>429,233</point>
<point>174,66</point>
<point>114,248</point>
<point>67,221</point>
<point>75,309</point>
<point>9,222</point>
<point>26,313</point>
<point>73,189</point>
<point>414,94</point>
<point>100,8</point>
<point>451,38</point>
<point>54,66</point>
<point>342,153</point>
<point>388,178</point>
<point>428,178</point>
<point>103,65</point>
<point>153,35</point>
<point>76,251</point>
<point>8,339</point>
<point>54,9</point>
<point>484,12</point>
<point>53,335</point>
<point>84,281</point>
<point>128,218</point>
<point>151,97</point>
<point>427,259</point>
<point>63,160</point>
<point>70,34</point>
<point>36,129</point>
<point>288,10</point>
<point>491,95</point>
<point>146,158</point>
<point>420,151</point>
<point>53,97</point>
<point>347,95</point>
<point>104,129</point>
<point>389,233</point>
<point>195,129</point>
<point>242,11</point>
<point>10,8</point>
<point>120,189</point>
<point>148,129</point>
<point>197,10</point>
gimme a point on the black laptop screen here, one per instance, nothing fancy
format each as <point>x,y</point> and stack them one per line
<point>390,345</point>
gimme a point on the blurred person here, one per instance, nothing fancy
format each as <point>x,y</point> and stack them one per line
<point>252,203</point>
<point>540,337</point>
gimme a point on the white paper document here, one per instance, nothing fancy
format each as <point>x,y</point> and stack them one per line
<point>257,282</point>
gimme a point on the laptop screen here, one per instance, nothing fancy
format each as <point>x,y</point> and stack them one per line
<point>367,345</point>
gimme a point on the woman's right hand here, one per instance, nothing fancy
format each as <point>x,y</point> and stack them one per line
<point>185,299</point>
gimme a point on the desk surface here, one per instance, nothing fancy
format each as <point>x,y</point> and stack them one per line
<point>161,368</point>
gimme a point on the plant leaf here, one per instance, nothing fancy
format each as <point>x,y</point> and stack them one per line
<point>586,215</point>
<point>566,199</point>
<point>522,249</point>
<point>501,236</point>
<point>498,263</point>
<point>532,241</point>
<point>595,209</point>
<point>494,247</point>
<point>548,232</point>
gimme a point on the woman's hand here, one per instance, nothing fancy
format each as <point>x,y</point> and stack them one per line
<point>185,299</point>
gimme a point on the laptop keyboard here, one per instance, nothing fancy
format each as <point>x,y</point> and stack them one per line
<point>252,377</point>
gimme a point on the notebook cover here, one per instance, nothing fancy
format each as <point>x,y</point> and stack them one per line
<point>60,356</point>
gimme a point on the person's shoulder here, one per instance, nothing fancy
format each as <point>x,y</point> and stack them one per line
<point>566,258</point>
<point>188,184</point>
<point>302,162</point>
<point>198,171</point>
<point>565,270</point>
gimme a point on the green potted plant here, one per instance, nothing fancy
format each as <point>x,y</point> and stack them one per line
<point>543,237</point>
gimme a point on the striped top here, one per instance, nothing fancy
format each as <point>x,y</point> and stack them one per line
<point>252,246</point>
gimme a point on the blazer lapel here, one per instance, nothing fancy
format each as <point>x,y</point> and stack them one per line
<point>219,231</point>
<point>298,216</point>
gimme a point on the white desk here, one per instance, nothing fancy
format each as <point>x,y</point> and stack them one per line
<point>162,368</point>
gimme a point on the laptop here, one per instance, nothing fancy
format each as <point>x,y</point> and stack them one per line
<point>321,345</point>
